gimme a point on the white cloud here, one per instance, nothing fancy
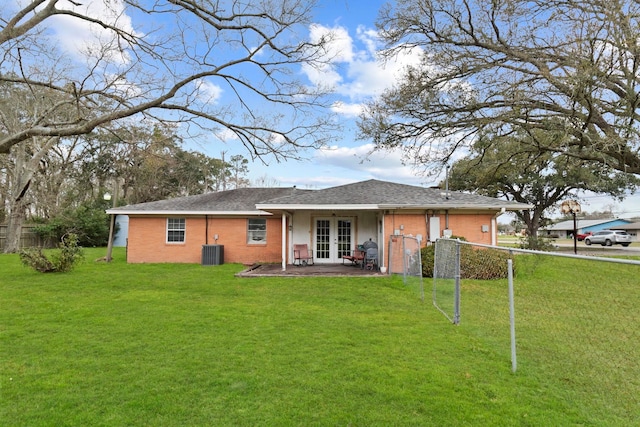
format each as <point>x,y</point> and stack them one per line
<point>225,135</point>
<point>356,74</point>
<point>340,44</point>
<point>122,86</point>
<point>347,109</point>
<point>367,163</point>
<point>338,165</point>
<point>77,37</point>
<point>338,49</point>
<point>209,92</point>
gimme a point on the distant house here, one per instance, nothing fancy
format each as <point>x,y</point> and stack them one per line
<point>633,229</point>
<point>255,225</point>
<point>564,229</point>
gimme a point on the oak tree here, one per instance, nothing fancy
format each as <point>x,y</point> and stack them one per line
<point>502,167</point>
<point>208,66</point>
<point>563,66</point>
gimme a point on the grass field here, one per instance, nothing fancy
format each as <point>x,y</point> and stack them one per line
<point>186,345</point>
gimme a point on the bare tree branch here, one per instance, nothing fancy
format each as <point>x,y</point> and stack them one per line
<point>211,64</point>
<point>559,65</point>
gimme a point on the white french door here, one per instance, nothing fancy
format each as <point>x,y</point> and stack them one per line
<point>334,236</point>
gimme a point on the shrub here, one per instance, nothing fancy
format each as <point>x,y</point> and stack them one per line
<point>475,263</point>
<point>484,264</point>
<point>62,259</point>
<point>427,254</point>
<point>88,222</point>
<point>539,243</point>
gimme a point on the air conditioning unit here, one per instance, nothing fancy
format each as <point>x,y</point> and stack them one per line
<point>212,254</point>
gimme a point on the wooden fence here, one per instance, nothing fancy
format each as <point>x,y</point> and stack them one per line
<point>28,239</point>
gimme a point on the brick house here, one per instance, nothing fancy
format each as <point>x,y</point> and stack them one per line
<point>261,225</point>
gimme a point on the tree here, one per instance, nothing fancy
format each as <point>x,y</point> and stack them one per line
<point>499,167</point>
<point>18,105</point>
<point>208,66</point>
<point>266,181</point>
<point>508,65</point>
<point>238,166</point>
<point>173,67</point>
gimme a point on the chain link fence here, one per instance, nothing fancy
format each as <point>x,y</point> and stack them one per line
<point>566,316</point>
<point>405,259</point>
<point>446,279</point>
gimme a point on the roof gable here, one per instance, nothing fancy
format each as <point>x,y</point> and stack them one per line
<point>585,224</point>
<point>388,195</point>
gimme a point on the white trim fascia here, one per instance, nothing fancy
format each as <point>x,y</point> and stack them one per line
<point>322,207</point>
<point>187,213</point>
<point>460,207</point>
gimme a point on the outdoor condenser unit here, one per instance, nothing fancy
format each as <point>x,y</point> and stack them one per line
<point>212,254</point>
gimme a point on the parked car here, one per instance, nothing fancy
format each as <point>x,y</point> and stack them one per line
<point>609,237</point>
<point>582,236</point>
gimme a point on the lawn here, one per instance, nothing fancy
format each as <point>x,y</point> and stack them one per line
<point>186,345</point>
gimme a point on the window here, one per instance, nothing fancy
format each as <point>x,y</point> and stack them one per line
<point>257,231</point>
<point>175,230</point>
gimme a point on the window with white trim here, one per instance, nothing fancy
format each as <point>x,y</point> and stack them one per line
<point>176,228</point>
<point>256,230</point>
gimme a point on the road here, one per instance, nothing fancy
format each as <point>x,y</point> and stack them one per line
<point>583,249</point>
<point>566,245</point>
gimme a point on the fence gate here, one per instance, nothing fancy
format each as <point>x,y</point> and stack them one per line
<point>405,259</point>
<point>446,278</point>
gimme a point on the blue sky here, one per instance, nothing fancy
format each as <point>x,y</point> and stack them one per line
<point>356,76</point>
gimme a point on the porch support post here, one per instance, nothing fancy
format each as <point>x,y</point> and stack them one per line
<point>494,227</point>
<point>284,241</point>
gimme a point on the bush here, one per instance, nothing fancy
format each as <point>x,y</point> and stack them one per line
<point>427,255</point>
<point>88,222</point>
<point>62,259</point>
<point>484,264</point>
<point>538,243</point>
<point>475,263</point>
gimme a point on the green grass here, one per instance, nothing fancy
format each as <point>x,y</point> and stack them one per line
<point>186,345</point>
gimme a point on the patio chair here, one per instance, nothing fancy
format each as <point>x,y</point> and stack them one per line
<point>356,257</point>
<point>371,259</point>
<point>302,255</point>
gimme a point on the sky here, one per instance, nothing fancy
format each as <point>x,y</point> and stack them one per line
<point>357,77</point>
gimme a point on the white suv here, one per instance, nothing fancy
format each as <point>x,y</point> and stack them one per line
<point>609,237</point>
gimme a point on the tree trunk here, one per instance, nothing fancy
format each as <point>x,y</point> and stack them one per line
<point>26,166</point>
<point>17,215</point>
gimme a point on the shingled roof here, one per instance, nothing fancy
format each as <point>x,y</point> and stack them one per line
<point>374,194</point>
<point>371,194</point>
<point>238,201</point>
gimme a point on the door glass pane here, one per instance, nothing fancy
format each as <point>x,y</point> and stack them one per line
<point>344,237</point>
<point>323,239</point>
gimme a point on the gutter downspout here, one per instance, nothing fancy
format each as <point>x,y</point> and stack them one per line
<point>427,236</point>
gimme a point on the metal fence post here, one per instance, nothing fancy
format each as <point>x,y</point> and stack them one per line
<point>512,317</point>
<point>456,300</point>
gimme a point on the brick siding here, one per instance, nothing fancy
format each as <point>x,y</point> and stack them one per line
<point>147,241</point>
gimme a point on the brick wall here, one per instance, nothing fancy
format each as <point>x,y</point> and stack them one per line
<point>462,224</point>
<point>147,236</point>
<point>467,225</point>
<point>147,241</point>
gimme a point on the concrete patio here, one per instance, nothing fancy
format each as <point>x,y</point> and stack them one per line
<point>317,270</point>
